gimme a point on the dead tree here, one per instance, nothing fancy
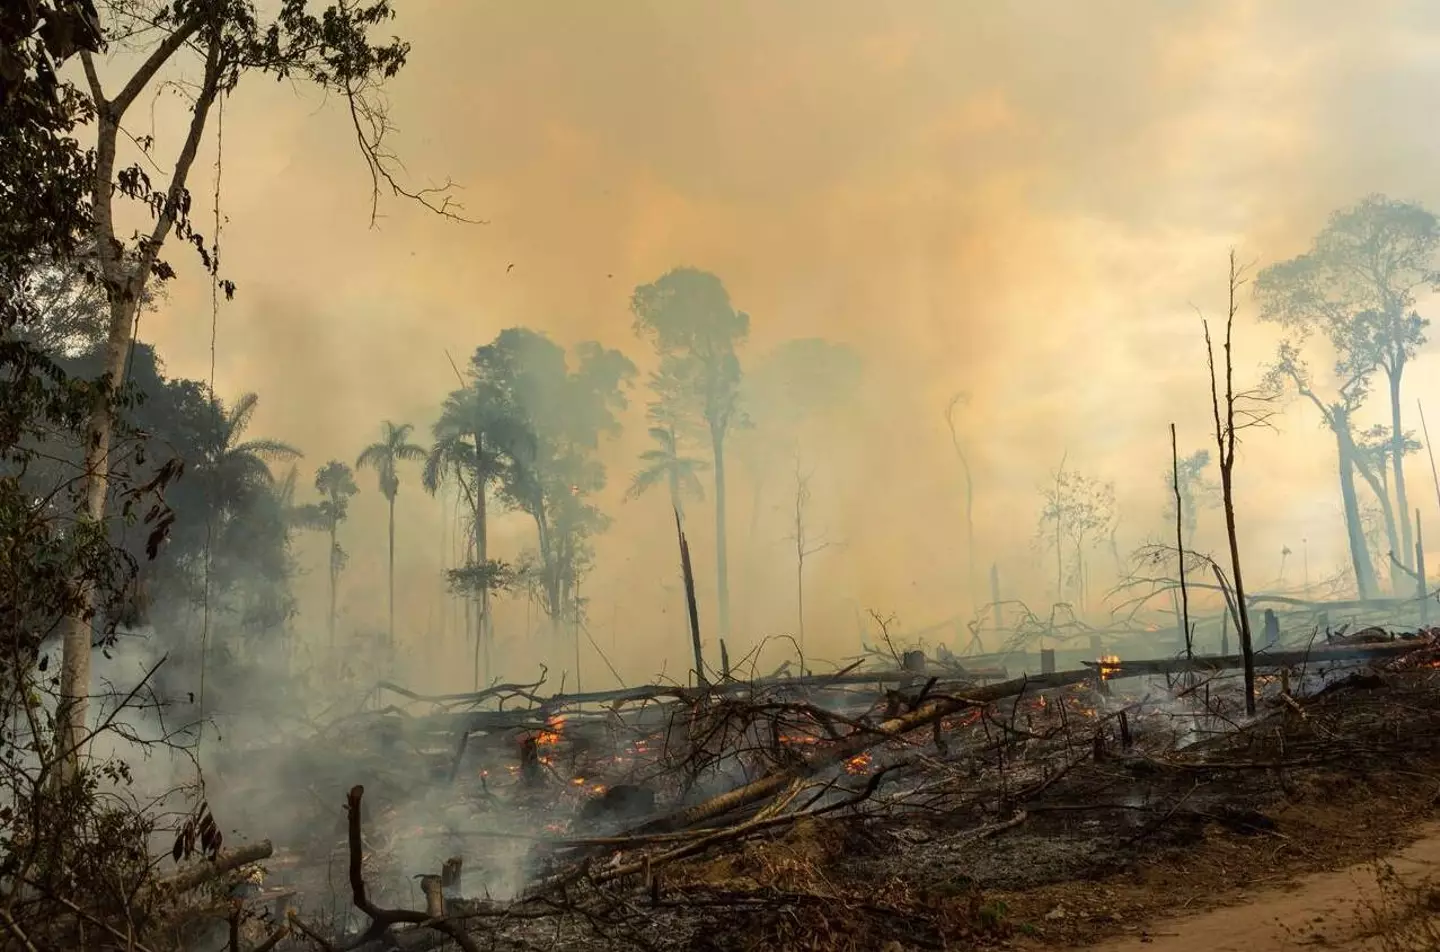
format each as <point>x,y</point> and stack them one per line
<point>804,548</point>
<point>1224,413</point>
<point>1180,545</point>
<point>955,402</point>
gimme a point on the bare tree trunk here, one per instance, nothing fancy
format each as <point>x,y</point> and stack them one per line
<point>124,288</point>
<point>1382,494</point>
<point>334,579</point>
<point>1354,532</point>
<point>391,629</point>
<point>1180,545</point>
<point>1397,461</point>
<point>1225,444</point>
<point>722,562</point>
<point>687,574</point>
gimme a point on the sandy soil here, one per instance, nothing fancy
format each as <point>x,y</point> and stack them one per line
<point>1347,910</point>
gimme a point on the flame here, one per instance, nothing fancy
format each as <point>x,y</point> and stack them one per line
<point>1109,666</point>
<point>859,764</point>
<point>551,733</point>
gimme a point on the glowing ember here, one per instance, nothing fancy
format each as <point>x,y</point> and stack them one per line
<point>859,764</point>
<point>1109,666</point>
<point>799,739</point>
<point>551,733</point>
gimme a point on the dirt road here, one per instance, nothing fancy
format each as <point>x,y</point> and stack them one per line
<point>1347,911</point>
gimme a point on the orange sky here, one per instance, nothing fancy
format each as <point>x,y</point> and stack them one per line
<point>1024,201</point>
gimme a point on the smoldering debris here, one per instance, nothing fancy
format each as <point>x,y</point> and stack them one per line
<point>820,811</point>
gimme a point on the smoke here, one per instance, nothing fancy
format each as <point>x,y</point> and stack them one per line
<point>1027,203</point>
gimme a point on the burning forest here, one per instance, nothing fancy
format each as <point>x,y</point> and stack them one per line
<point>866,809</point>
<point>517,561</point>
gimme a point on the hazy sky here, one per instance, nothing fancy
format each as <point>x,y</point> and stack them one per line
<point>1025,201</point>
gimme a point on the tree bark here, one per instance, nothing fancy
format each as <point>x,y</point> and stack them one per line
<point>1359,552</point>
<point>722,559</point>
<point>124,288</point>
<point>484,626</point>
<point>391,629</point>
<point>334,576</point>
<point>1392,536</point>
<point>1397,461</point>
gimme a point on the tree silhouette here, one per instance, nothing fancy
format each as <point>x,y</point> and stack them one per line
<point>383,456</point>
<point>472,438</point>
<point>1187,477</point>
<point>336,484</point>
<point>1337,407</point>
<point>1077,512</point>
<point>1356,287</point>
<point>688,318</point>
<point>557,414</point>
<point>333,47</point>
<point>233,468</point>
<point>664,464</point>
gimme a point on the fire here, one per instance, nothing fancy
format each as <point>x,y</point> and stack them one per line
<point>1109,666</point>
<point>859,764</point>
<point>551,733</point>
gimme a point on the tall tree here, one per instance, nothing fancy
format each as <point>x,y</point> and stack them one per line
<point>1337,407</point>
<point>330,47</point>
<point>687,317</point>
<point>557,415</point>
<point>1356,287</point>
<point>336,484</point>
<point>384,456</point>
<point>473,443</point>
<point>1225,408</point>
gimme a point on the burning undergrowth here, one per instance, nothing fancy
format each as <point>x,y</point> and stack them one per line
<point>828,813</point>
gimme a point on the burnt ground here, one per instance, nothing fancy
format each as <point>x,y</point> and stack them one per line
<point>1044,823</point>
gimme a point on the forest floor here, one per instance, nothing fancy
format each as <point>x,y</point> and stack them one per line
<point>1056,820</point>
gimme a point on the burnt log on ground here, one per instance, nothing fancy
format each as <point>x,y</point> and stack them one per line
<point>1321,654</point>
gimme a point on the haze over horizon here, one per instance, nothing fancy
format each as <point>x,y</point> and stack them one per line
<point>1025,204</point>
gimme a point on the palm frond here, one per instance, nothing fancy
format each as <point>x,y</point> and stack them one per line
<point>266,449</point>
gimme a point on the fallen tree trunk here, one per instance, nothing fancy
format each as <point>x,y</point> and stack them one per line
<point>1263,659</point>
<point>188,879</point>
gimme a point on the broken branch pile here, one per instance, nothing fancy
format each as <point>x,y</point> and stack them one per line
<point>822,817</point>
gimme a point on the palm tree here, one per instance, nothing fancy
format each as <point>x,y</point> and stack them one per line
<point>392,447</point>
<point>665,464</point>
<point>469,437</point>
<point>234,468</point>
<point>336,483</point>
